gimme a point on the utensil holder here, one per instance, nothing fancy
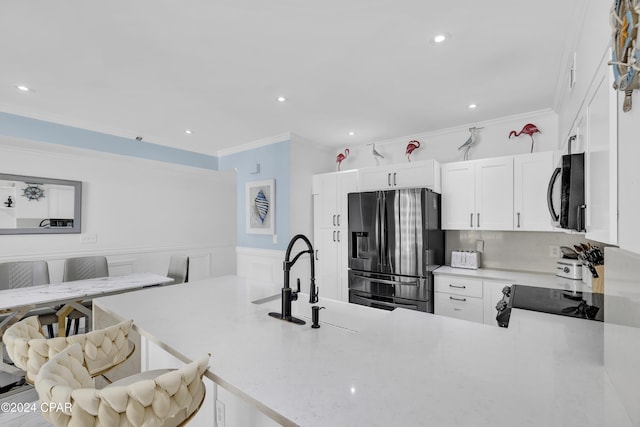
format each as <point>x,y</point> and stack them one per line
<point>597,284</point>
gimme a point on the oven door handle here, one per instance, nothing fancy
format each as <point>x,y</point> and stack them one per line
<point>387,282</point>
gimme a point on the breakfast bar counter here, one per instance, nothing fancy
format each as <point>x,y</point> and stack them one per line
<point>368,367</point>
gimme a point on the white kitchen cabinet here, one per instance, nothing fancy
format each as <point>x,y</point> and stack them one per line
<point>330,206</point>
<point>425,174</point>
<point>478,195</point>
<point>492,293</point>
<point>458,297</point>
<point>601,168</point>
<point>458,195</point>
<point>468,298</point>
<point>531,173</point>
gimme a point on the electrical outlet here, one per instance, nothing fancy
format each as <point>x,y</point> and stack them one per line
<point>89,238</point>
<point>480,245</point>
<point>219,413</point>
<point>554,251</point>
<point>275,239</point>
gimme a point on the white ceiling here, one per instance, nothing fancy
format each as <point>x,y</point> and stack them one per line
<point>157,67</point>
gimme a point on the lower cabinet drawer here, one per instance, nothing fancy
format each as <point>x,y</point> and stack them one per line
<point>458,306</point>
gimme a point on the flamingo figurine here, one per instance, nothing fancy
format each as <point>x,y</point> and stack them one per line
<point>528,129</point>
<point>340,157</point>
<point>411,147</point>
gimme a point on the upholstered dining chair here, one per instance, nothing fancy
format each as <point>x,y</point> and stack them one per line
<point>179,269</point>
<point>102,349</point>
<point>80,269</point>
<point>152,398</point>
<point>29,273</point>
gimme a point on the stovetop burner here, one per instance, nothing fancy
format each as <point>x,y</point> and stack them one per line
<point>585,305</point>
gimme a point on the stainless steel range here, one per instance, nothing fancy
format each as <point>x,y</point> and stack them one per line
<point>395,243</point>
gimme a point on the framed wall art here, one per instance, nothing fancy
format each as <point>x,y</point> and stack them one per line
<point>260,206</point>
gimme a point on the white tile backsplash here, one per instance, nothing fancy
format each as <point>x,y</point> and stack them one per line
<point>513,250</point>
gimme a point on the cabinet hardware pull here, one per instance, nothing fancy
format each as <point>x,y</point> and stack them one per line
<point>518,219</point>
<point>338,220</point>
<point>478,222</point>
<point>389,179</point>
<point>471,220</point>
<point>334,220</point>
<point>458,299</point>
<point>317,259</point>
<point>338,235</point>
<point>394,179</point>
<point>334,235</point>
<point>457,286</point>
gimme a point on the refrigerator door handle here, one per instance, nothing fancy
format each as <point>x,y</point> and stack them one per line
<point>377,226</point>
<point>387,281</point>
<point>383,229</point>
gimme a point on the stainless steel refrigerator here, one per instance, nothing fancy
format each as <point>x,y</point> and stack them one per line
<point>395,243</point>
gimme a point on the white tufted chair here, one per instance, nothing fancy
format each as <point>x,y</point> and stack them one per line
<point>102,349</point>
<point>153,398</point>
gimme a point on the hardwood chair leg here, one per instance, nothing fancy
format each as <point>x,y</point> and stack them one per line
<point>50,330</point>
<point>76,326</point>
<point>68,328</point>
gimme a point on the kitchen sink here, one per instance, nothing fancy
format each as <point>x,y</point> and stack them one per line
<point>266,299</point>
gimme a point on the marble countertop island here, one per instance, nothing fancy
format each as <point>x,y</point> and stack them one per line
<point>369,367</point>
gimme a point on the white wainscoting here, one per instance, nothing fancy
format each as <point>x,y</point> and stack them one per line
<point>203,262</point>
<point>267,265</point>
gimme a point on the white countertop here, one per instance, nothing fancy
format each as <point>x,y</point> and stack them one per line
<point>522,278</point>
<point>77,289</point>
<point>381,368</point>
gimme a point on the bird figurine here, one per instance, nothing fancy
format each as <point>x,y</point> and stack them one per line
<point>411,147</point>
<point>469,142</point>
<point>376,155</point>
<point>528,129</point>
<point>340,157</point>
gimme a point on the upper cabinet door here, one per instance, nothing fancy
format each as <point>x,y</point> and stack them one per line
<point>347,182</point>
<point>531,174</point>
<point>425,174</point>
<point>601,159</point>
<point>458,196</point>
<point>494,194</point>
<point>324,186</point>
<point>376,178</point>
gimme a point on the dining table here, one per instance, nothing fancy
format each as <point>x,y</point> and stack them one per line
<point>66,296</point>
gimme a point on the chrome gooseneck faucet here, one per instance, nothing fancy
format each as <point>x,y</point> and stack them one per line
<point>288,294</point>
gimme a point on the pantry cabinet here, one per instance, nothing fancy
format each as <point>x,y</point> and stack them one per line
<point>425,174</point>
<point>330,242</point>
<point>478,195</point>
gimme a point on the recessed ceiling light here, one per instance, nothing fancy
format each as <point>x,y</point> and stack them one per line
<point>352,133</point>
<point>439,38</point>
<point>472,106</point>
<point>281,99</point>
<point>188,131</point>
<point>23,88</point>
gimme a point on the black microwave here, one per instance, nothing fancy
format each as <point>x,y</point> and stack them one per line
<point>565,195</point>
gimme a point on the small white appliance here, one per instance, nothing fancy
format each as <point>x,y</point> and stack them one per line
<point>465,259</point>
<point>569,268</point>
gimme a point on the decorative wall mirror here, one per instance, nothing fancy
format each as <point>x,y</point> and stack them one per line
<point>35,205</point>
